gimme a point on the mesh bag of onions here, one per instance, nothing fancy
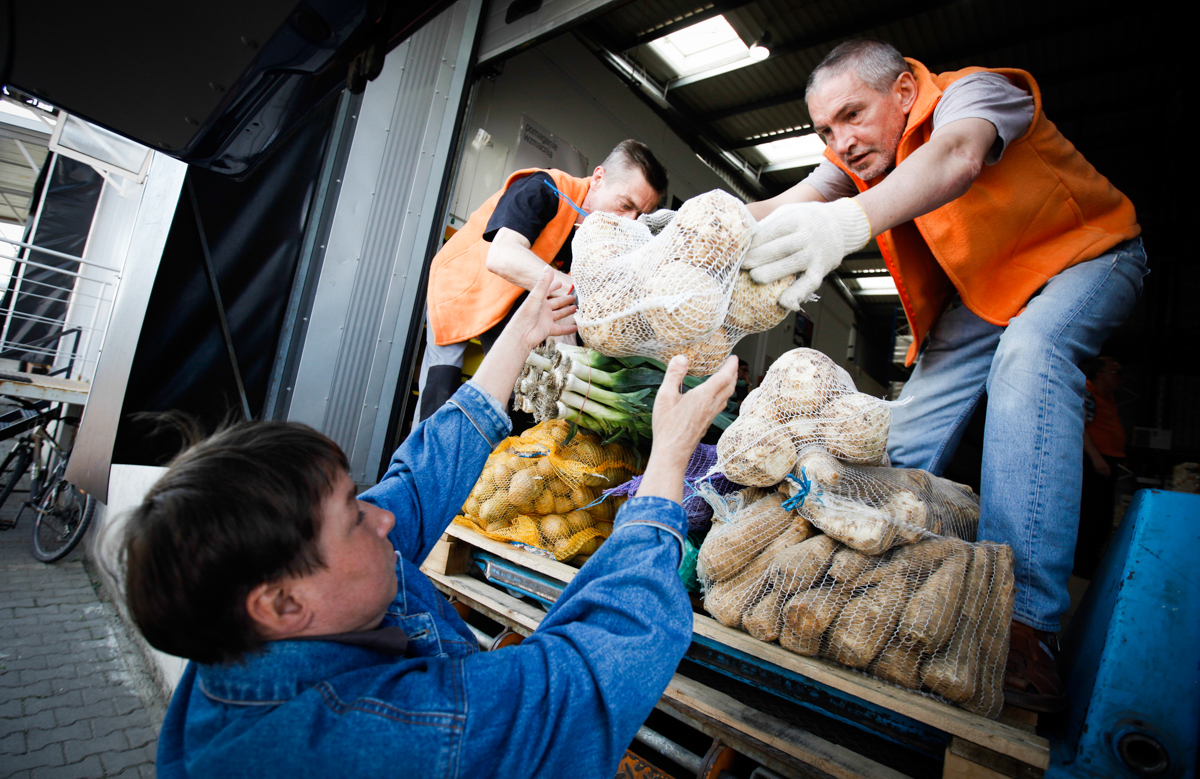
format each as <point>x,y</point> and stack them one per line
<point>544,489</point>
<point>679,292</point>
<point>834,554</point>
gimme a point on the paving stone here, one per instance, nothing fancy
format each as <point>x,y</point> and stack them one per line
<point>43,719</point>
<point>133,772</point>
<point>73,713</point>
<point>25,662</point>
<point>115,762</point>
<point>51,755</point>
<point>72,658</point>
<point>34,611</point>
<point>134,720</point>
<point>108,692</point>
<point>15,744</point>
<point>55,735</point>
<point>127,704</point>
<point>42,689</point>
<point>83,682</point>
<point>140,737</point>
<point>48,674</point>
<point>10,708</point>
<point>113,742</point>
<point>89,768</point>
<point>72,698</point>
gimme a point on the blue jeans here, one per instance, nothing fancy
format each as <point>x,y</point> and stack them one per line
<point>1033,439</point>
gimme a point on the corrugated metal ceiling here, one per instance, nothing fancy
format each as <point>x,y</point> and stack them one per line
<point>1074,52</point>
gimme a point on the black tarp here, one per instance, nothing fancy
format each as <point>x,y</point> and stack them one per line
<point>70,193</point>
<point>254,228</point>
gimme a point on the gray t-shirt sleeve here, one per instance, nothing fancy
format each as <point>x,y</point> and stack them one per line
<point>830,181</point>
<point>988,96</point>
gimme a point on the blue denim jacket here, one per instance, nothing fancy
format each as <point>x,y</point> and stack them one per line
<point>566,702</point>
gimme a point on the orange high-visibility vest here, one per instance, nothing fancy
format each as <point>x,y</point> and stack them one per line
<point>465,298</point>
<point>1041,209</point>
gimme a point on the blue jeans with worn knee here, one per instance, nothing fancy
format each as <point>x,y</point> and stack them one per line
<point>1033,438</point>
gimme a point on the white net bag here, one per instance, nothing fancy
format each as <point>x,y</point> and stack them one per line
<point>680,292</point>
<point>849,559</point>
<point>930,616</point>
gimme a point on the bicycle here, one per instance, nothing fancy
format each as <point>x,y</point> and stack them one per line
<point>62,512</point>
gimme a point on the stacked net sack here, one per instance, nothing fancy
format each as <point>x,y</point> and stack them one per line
<point>850,560</point>
<point>680,292</point>
<point>699,512</point>
<point>541,488</point>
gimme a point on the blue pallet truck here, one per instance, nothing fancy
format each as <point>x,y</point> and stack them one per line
<point>1131,657</point>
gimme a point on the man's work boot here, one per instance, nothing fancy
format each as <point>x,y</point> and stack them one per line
<point>1031,679</point>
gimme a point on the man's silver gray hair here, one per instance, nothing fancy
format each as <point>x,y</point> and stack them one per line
<point>877,63</point>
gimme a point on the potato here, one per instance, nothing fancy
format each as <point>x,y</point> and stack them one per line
<point>707,356</point>
<point>953,672</point>
<point>686,302</point>
<point>501,471</point>
<point>545,503</point>
<point>867,623</point>
<point>603,511</point>
<point>563,505</point>
<point>933,610</point>
<point>578,520</point>
<point>581,496</point>
<point>554,527</point>
<point>755,307</point>
<point>523,490</point>
<point>819,467</point>
<point>497,509</point>
<point>756,452</point>
<point>855,428</point>
<point>471,507</point>
<point>899,664</point>
<point>591,545</point>
<point>558,487</point>
<point>801,566</point>
<point>605,528</point>
<point>619,337</point>
<point>808,615</point>
<point>545,468</point>
<point>727,601</point>
<point>994,635</point>
<point>711,230</point>
<point>763,620</point>
<point>804,380</point>
<point>731,546</point>
<point>855,524</point>
<point>848,564</point>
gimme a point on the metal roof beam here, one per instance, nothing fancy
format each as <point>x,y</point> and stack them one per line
<point>682,23</point>
<point>736,171</point>
<point>837,33</point>
<point>747,143</point>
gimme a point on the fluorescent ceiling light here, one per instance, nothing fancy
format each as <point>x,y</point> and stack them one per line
<point>794,152</point>
<point>702,47</point>
<point>875,285</point>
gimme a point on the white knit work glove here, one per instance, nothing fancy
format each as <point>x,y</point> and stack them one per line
<point>657,220</point>
<point>806,238</point>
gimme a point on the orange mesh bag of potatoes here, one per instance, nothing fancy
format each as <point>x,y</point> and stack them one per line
<point>542,489</point>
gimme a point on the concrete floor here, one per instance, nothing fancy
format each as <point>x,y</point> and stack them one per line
<point>75,697</point>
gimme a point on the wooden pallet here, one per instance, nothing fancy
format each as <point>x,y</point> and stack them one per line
<point>979,749</point>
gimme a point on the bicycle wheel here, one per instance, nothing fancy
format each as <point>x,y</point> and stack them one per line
<point>63,515</point>
<point>14,467</point>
